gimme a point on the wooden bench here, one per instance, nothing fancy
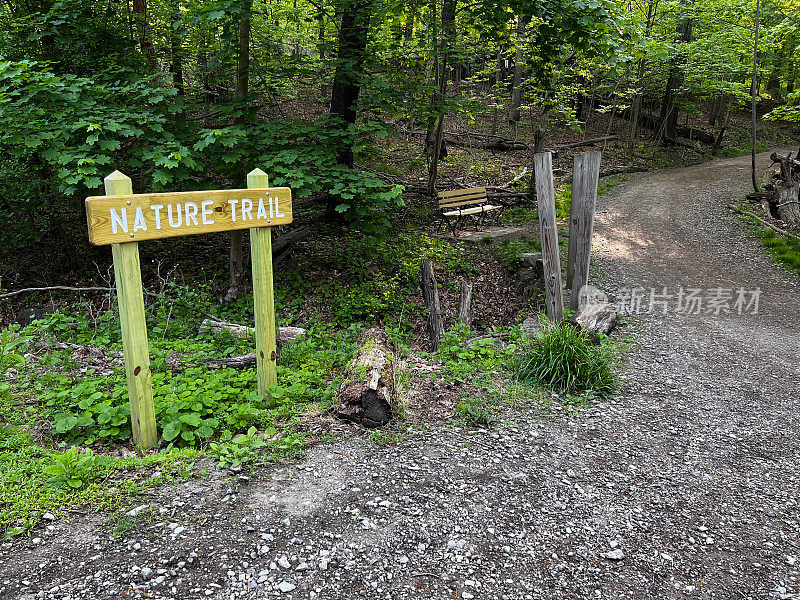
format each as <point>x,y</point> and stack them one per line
<point>458,206</point>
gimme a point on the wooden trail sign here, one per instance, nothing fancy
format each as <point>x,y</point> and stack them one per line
<point>136,217</point>
<point>122,219</point>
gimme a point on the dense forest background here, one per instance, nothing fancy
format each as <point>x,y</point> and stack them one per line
<point>185,95</point>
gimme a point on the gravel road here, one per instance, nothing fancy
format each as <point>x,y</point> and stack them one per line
<point>685,486</point>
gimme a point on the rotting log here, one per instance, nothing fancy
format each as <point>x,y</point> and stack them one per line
<point>780,198</point>
<point>234,362</point>
<point>504,144</point>
<point>285,334</point>
<point>597,318</point>
<point>430,293</point>
<point>365,395</point>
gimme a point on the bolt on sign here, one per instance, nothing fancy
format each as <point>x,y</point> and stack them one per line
<point>122,219</point>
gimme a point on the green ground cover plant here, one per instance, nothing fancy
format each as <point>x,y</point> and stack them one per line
<point>510,251</point>
<point>465,352</point>
<point>784,249</point>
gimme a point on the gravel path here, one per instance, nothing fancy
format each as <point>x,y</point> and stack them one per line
<point>686,486</point>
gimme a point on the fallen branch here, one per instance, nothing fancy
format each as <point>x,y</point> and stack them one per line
<point>235,362</point>
<point>501,193</point>
<point>430,293</point>
<point>767,223</point>
<point>516,179</point>
<point>249,360</point>
<point>53,288</point>
<point>501,144</point>
<point>282,246</point>
<point>490,336</point>
<point>677,142</point>
<point>582,143</point>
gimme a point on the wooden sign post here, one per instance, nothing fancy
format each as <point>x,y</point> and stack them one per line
<point>122,219</point>
<point>548,228</point>
<point>585,175</point>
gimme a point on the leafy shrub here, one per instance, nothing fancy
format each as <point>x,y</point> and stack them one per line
<point>9,354</point>
<point>198,404</point>
<point>463,353</point>
<point>473,411</point>
<point>566,360</point>
<point>241,450</point>
<point>74,469</point>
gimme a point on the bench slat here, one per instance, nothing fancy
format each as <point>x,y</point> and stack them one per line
<point>472,211</point>
<point>472,201</point>
<point>461,192</point>
<point>462,197</point>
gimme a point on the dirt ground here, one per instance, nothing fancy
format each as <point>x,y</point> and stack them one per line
<point>685,486</point>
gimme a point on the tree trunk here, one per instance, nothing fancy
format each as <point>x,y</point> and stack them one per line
<point>408,30</point>
<point>349,68</point>
<point>444,48</point>
<point>668,121</point>
<point>753,94</point>
<point>788,191</point>
<point>465,303</point>
<point>636,105</point>
<point>176,51</point>
<point>236,257</point>
<point>353,29</point>
<point>140,21</point>
<point>202,61</point>
<point>519,68</point>
<point>498,78</point>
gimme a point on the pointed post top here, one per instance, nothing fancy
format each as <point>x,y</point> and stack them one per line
<point>257,179</point>
<point>118,184</point>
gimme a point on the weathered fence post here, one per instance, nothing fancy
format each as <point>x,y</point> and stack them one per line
<point>263,299</point>
<point>585,175</point>
<point>465,303</point>
<point>430,292</point>
<point>128,276</point>
<point>546,199</point>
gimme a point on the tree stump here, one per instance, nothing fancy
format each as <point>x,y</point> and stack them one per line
<point>787,186</point>
<point>365,395</point>
<point>430,292</point>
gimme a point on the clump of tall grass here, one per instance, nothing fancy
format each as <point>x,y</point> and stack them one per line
<point>567,360</point>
